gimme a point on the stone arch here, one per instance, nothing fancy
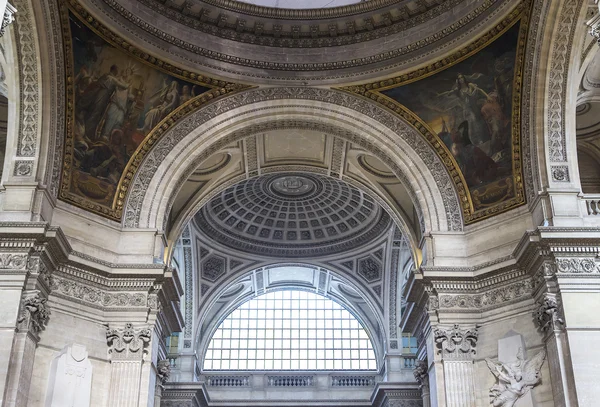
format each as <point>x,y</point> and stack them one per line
<point>556,54</point>
<point>212,127</point>
<point>200,341</point>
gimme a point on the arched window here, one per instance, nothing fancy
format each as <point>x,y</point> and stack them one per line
<point>290,330</point>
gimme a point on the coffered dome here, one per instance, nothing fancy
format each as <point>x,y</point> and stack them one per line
<point>292,215</point>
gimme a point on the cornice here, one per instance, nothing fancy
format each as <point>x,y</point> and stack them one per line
<point>223,63</point>
<point>239,23</point>
<point>300,14</point>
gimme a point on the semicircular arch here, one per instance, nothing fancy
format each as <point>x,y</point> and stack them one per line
<point>208,321</point>
<point>231,118</point>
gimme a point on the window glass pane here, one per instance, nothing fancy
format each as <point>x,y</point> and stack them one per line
<point>292,330</point>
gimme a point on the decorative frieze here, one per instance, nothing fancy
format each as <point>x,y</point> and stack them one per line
<point>13,261</point>
<point>34,314</point>
<point>576,265</point>
<point>548,315</point>
<point>100,298</point>
<point>456,342</point>
<point>489,299</point>
<point>128,343</point>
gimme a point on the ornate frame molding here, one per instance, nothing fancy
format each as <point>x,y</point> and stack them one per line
<point>219,88</point>
<point>373,91</point>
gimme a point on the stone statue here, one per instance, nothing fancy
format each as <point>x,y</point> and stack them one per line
<point>515,379</point>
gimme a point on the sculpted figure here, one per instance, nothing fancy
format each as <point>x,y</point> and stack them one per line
<point>515,379</point>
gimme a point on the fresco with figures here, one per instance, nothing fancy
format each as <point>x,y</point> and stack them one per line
<point>470,107</point>
<point>118,100</point>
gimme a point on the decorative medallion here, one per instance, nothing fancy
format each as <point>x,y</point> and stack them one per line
<point>468,106</point>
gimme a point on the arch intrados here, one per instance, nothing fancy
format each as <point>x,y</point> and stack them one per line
<point>201,339</point>
<point>251,130</point>
<point>210,128</point>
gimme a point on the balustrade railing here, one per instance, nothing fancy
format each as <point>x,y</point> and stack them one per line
<point>228,381</point>
<point>592,203</point>
<point>290,381</point>
<point>352,381</point>
<point>409,361</point>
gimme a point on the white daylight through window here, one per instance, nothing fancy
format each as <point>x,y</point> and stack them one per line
<point>290,330</point>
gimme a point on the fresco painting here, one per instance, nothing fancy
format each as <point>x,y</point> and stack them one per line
<point>469,107</point>
<point>118,100</point>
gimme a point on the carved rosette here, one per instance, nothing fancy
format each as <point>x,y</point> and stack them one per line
<point>128,343</point>
<point>34,314</point>
<point>548,315</point>
<point>421,374</point>
<point>455,342</point>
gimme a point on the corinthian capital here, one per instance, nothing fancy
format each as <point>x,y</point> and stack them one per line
<point>128,343</point>
<point>455,342</point>
<point>34,314</point>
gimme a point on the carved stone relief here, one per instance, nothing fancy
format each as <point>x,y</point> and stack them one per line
<point>515,379</point>
<point>455,342</point>
<point>548,315</point>
<point>128,343</point>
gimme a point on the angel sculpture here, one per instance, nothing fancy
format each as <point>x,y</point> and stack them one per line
<point>515,379</point>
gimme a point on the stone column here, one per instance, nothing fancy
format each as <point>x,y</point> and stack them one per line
<point>549,319</point>
<point>127,348</point>
<point>457,348</point>
<point>422,376</point>
<point>32,319</point>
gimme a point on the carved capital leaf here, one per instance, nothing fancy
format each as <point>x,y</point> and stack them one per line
<point>548,315</point>
<point>456,342</point>
<point>34,314</point>
<point>128,343</point>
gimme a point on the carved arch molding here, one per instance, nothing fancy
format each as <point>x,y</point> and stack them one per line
<point>129,213</point>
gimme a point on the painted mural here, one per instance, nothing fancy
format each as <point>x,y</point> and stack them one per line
<point>118,100</point>
<point>469,106</point>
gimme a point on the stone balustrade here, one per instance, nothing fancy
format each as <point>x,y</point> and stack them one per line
<point>228,381</point>
<point>592,204</point>
<point>352,381</point>
<point>409,361</point>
